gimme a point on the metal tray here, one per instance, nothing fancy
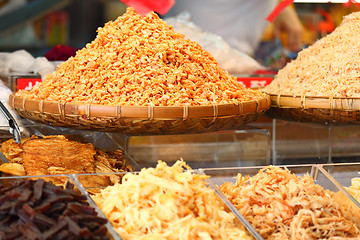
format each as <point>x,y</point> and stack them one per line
<point>80,178</point>
<point>218,176</point>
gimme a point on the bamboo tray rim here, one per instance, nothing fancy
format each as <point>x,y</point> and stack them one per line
<point>311,102</point>
<point>89,110</point>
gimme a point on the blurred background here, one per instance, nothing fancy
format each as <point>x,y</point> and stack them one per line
<point>39,25</point>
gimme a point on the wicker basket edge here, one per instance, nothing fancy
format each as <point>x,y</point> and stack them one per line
<point>304,102</point>
<point>139,112</point>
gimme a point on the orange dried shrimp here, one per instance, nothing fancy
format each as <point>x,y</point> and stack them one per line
<point>141,61</point>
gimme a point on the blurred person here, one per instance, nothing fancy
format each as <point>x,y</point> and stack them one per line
<point>289,23</point>
<point>241,22</point>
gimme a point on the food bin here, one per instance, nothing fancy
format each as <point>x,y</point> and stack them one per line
<point>62,181</point>
<point>91,185</point>
<point>218,176</point>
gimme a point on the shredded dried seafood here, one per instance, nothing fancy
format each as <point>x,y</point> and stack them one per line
<point>138,60</point>
<point>349,208</point>
<point>329,67</point>
<point>281,205</point>
<point>167,203</point>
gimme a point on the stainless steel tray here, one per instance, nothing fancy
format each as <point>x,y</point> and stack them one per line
<point>218,176</point>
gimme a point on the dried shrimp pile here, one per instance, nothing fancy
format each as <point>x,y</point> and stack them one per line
<point>281,205</point>
<point>168,203</point>
<point>329,68</point>
<point>141,61</point>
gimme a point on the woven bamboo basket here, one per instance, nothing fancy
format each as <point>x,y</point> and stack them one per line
<point>140,120</point>
<point>315,109</point>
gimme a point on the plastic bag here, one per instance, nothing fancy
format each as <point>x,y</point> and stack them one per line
<point>230,59</point>
<point>19,61</point>
<point>42,67</point>
<point>23,62</point>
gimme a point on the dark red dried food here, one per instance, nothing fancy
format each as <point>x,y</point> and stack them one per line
<point>38,187</point>
<point>25,195</point>
<point>43,207</point>
<point>54,230</point>
<point>35,209</point>
<point>80,208</point>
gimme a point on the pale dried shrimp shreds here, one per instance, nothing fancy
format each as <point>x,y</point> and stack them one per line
<point>168,203</point>
<point>330,67</point>
<point>138,60</point>
<point>354,189</point>
<point>281,205</point>
<point>347,204</point>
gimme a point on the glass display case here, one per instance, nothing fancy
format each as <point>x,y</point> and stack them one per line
<point>249,146</point>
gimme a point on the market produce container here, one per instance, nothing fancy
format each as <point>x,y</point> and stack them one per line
<point>91,185</point>
<point>218,176</point>
<point>61,180</point>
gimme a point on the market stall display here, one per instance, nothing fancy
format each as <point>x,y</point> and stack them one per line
<point>321,84</point>
<point>139,76</point>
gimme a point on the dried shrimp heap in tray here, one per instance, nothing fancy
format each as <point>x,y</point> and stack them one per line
<point>281,205</point>
<point>322,84</point>
<point>141,61</point>
<point>167,202</point>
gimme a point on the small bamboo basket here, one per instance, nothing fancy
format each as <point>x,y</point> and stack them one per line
<point>141,120</point>
<point>315,109</point>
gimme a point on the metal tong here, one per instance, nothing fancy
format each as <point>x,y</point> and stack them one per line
<point>14,127</point>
